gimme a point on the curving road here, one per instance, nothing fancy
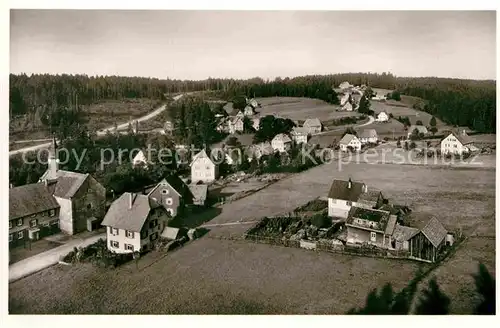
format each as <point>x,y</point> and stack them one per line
<point>102,132</point>
<point>371,119</point>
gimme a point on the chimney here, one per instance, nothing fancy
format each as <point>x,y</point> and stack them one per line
<point>463,132</point>
<point>349,184</point>
<point>130,200</point>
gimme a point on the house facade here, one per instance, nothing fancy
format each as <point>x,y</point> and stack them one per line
<point>350,141</point>
<point>133,223</point>
<point>368,136</point>
<point>370,226</point>
<point>281,142</point>
<point>248,111</point>
<point>299,135</point>
<point>203,168</point>
<point>33,214</point>
<point>200,194</point>
<point>173,194</point>
<point>313,125</point>
<point>342,196</point>
<point>236,124</point>
<point>256,123</point>
<point>82,199</point>
<point>382,117</point>
<point>456,143</point>
<point>429,242</point>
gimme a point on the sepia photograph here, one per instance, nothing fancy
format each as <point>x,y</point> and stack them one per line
<point>167,161</point>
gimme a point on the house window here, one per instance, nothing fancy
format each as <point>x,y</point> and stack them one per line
<point>11,237</point>
<point>10,224</point>
<point>454,146</point>
<point>114,244</point>
<point>115,232</point>
<point>144,234</point>
<point>33,223</point>
<point>164,191</point>
<point>20,235</point>
<point>373,236</point>
<point>129,234</point>
<point>89,206</point>
<point>168,201</point>
<point>129,247</point>
<point>19,222</point>
<point>52,212</point>
<point>348,203</point>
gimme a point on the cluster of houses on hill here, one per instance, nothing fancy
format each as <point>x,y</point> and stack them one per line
<point>370,219</point>
<point>354,143</point>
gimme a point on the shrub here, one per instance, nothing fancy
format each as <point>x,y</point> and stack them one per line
<point>321,220</point>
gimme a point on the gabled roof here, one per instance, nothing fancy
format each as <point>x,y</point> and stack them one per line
<point>67,183</point>
<point>30,199</point>
<point>420,128</point>
<point>201,154</point>
<point>177,185</point>
<point>300,131</point>
<point>369,133</point>
<point>434,231</point>
<point>374,219</point>
<point>282,137</point>
<point>462,137</point>
<point>340,190</point>
<point>121,216</point>
<point>199,191</point>
<point>403,233</point>
<point>346,139</point>
<point>382,112</point>
<point>312,122</point>
<point>228,108</point>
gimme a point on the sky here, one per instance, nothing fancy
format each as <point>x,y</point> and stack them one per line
<point>245,44</point>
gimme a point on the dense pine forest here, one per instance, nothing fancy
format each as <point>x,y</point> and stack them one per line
<point>456,101</point>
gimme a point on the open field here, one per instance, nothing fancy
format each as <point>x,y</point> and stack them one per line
<point>212,276</point>
<point>300,108</point>
<point>19,145</point>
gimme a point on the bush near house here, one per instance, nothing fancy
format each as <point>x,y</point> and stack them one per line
<point>313,205</point>
<point>98,254</point>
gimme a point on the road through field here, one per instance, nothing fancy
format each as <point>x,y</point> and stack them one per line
<point>102,132</point>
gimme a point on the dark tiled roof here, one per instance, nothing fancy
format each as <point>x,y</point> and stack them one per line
<point>67,183</point>
<point>391,224</point>
<point>346,139</point>
<point>340,190</point>
<point>382,220</point>
<point>178,185</point>
<point>120,216</point>
<point>369,133</point>
<point>404,233</point>
<point>312,122</point>
<point>462,137</point>
<point>434,231</point>
<point>30,199</point>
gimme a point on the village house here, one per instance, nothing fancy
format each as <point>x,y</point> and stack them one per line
<point>200,193</point>
<point>346,102</point>
<point>168,127</point>
<point>342,196</point>
<point>173,194</point>
<point>299,135</point>
<point>252,102</point>
<point>133,223</point>
<point>350,141</point>
<point>248,111</point>
<point>368,136</point>
<point>33,214</point>
<point>256,123</point>
<point>422,130</point>
<point>203,168</point>
<point>457,143</point>
<point>382,117</point>
<point>236,124</point>
<point>345,86</point>
<point>281,142</point>
<point>259,150</point>
<point>141,159</point>
<point>240,114</point>
<point>313,125</point>
<point>429,242</point>
<point>82,199</point>
<point>401,237</point>
<point>370,226</point>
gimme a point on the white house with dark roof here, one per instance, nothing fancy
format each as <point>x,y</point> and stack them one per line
<point>350,141</point>
<point>368,136</point>
<point>33,213</point>
<point>281,142</point>
<point>133,223</point>
<point>82,198</point>
<point>382,117</point>
<point>457,143</point>
<point>203,168</point>
<point>342,196</point>
<point>299,135</point>
<point>313,125</point>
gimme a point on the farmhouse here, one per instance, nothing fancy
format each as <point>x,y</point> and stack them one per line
<point>382,117</point>
<point>203,168</point>
<point>253,103</point>
<point>299,135</point>
<point>401,237</point>
<point>256,123</point>
<point>33,213</point>
<point>249,111</point>
<point>349,141</point>
<point>133,223</point>
<point>235,124</point>
<point>370,226</point>
<point>200,193</point>
<point>368,136</point>
<point>342,196</point>
<point>420,128</point>
<point>173,194</point>
<point>81,198</point>
<point>429,242</point>
<point>457,143</point>
<point>313,125</point>
<point>281,142</point>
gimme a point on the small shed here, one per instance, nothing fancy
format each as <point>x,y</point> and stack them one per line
<point>429,242</point>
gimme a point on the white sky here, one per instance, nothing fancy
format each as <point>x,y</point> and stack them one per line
<point>243,44</point>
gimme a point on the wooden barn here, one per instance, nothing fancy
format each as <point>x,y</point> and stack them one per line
<point>429,242</point>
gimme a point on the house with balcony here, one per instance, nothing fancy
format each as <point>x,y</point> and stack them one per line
<point>133,223</point>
